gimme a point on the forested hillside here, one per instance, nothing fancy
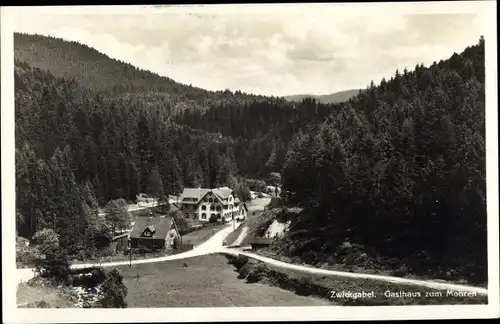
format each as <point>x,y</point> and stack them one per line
<point>261,126</point>
<point>400,171</point>
<point>98,72</point>
<point>340,96</point>
<point>74,140</point>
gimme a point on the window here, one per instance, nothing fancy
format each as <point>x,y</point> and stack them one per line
<point>203,216</point>
<point>218,208</point>
<point>218,216</point>
<point>212,208</point>
<point>225,206</point>
<point>206,199</point>
<point>210,200</point>
<point>203,207</point>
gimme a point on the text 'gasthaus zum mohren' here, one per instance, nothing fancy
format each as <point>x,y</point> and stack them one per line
<point>400,294</point>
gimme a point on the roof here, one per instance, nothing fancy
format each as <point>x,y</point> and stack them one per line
<point>223,192</point>
<point>261,240</point>
<point>160,225</point>
<point>243,206</point>
<point>116,237</point>
<point>152,228</point>
<point>194,195</point>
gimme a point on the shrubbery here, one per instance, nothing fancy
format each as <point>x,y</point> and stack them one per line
<point>27,256</point>
<point>39,304</point>
<point>88,278</point>
<point>114,292</point>
<point>238,261</point>
<point>256,272</point>
<point>213,219</point>
<point>51,260</point>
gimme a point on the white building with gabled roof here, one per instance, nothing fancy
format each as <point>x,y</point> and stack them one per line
<point>202,203</point>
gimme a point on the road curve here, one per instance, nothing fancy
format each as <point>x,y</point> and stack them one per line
<point>214,245</point>
<point>397,280</point>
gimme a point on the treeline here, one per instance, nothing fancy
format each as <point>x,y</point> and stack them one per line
<point>113,78</point>
<point>71,141</point>
<point>261,126</point>
<point>263,129</point>
<point>399,170</point>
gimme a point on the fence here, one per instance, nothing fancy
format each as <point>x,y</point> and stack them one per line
<point>183,248</point>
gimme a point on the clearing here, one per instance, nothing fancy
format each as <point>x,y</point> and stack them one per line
<point>201,235</point>
<point>369,292</point>
<point>38,297</point>
<point>257,204</point>
<point>205,281</point>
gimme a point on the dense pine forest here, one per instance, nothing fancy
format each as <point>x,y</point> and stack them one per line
<point>399,169</point>
<point>68,138</point>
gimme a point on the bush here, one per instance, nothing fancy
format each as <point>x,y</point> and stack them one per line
<point>88,279</point>
<point>177,242</point>
<point>243,271</point>
<point>27,256</point>
<point>400,272</point>
<point>143,250</point>
<point>114,291</point>
<point>239,261</point>
<point>39,304</point>
<point>304,287</point>
<point>107,251</point>
<point>46,241</point>
<point>309,257</point>
<point>55,265</point>
<point>257,272</point>
<point>213,219</point>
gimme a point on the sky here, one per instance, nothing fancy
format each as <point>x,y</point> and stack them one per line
<point>267,50</point>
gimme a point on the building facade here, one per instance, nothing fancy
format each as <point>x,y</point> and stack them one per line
<point>154,233</point>
<point>218,203</point>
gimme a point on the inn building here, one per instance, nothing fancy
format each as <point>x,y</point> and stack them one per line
<point>219,203</point>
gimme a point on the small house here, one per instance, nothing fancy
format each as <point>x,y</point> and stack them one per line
<point>275,202</point>
<point>119,243</point>
<point>143,198</point>
<point>260,242</point>
<point>241,209</point>
<point>154,233</point>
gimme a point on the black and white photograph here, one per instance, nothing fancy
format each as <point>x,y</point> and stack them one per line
<point>232,160</point>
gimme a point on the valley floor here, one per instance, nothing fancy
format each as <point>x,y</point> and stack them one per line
<point>205,281</point>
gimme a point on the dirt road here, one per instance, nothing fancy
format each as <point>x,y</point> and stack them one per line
<point>214,245</point>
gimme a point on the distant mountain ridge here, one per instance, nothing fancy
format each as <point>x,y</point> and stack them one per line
<point>96,71</point>
<point>330,98</point>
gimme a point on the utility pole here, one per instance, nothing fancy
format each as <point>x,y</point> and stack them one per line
<point>130,252</point>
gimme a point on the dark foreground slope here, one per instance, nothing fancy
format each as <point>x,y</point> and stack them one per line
<point>399,173</point>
